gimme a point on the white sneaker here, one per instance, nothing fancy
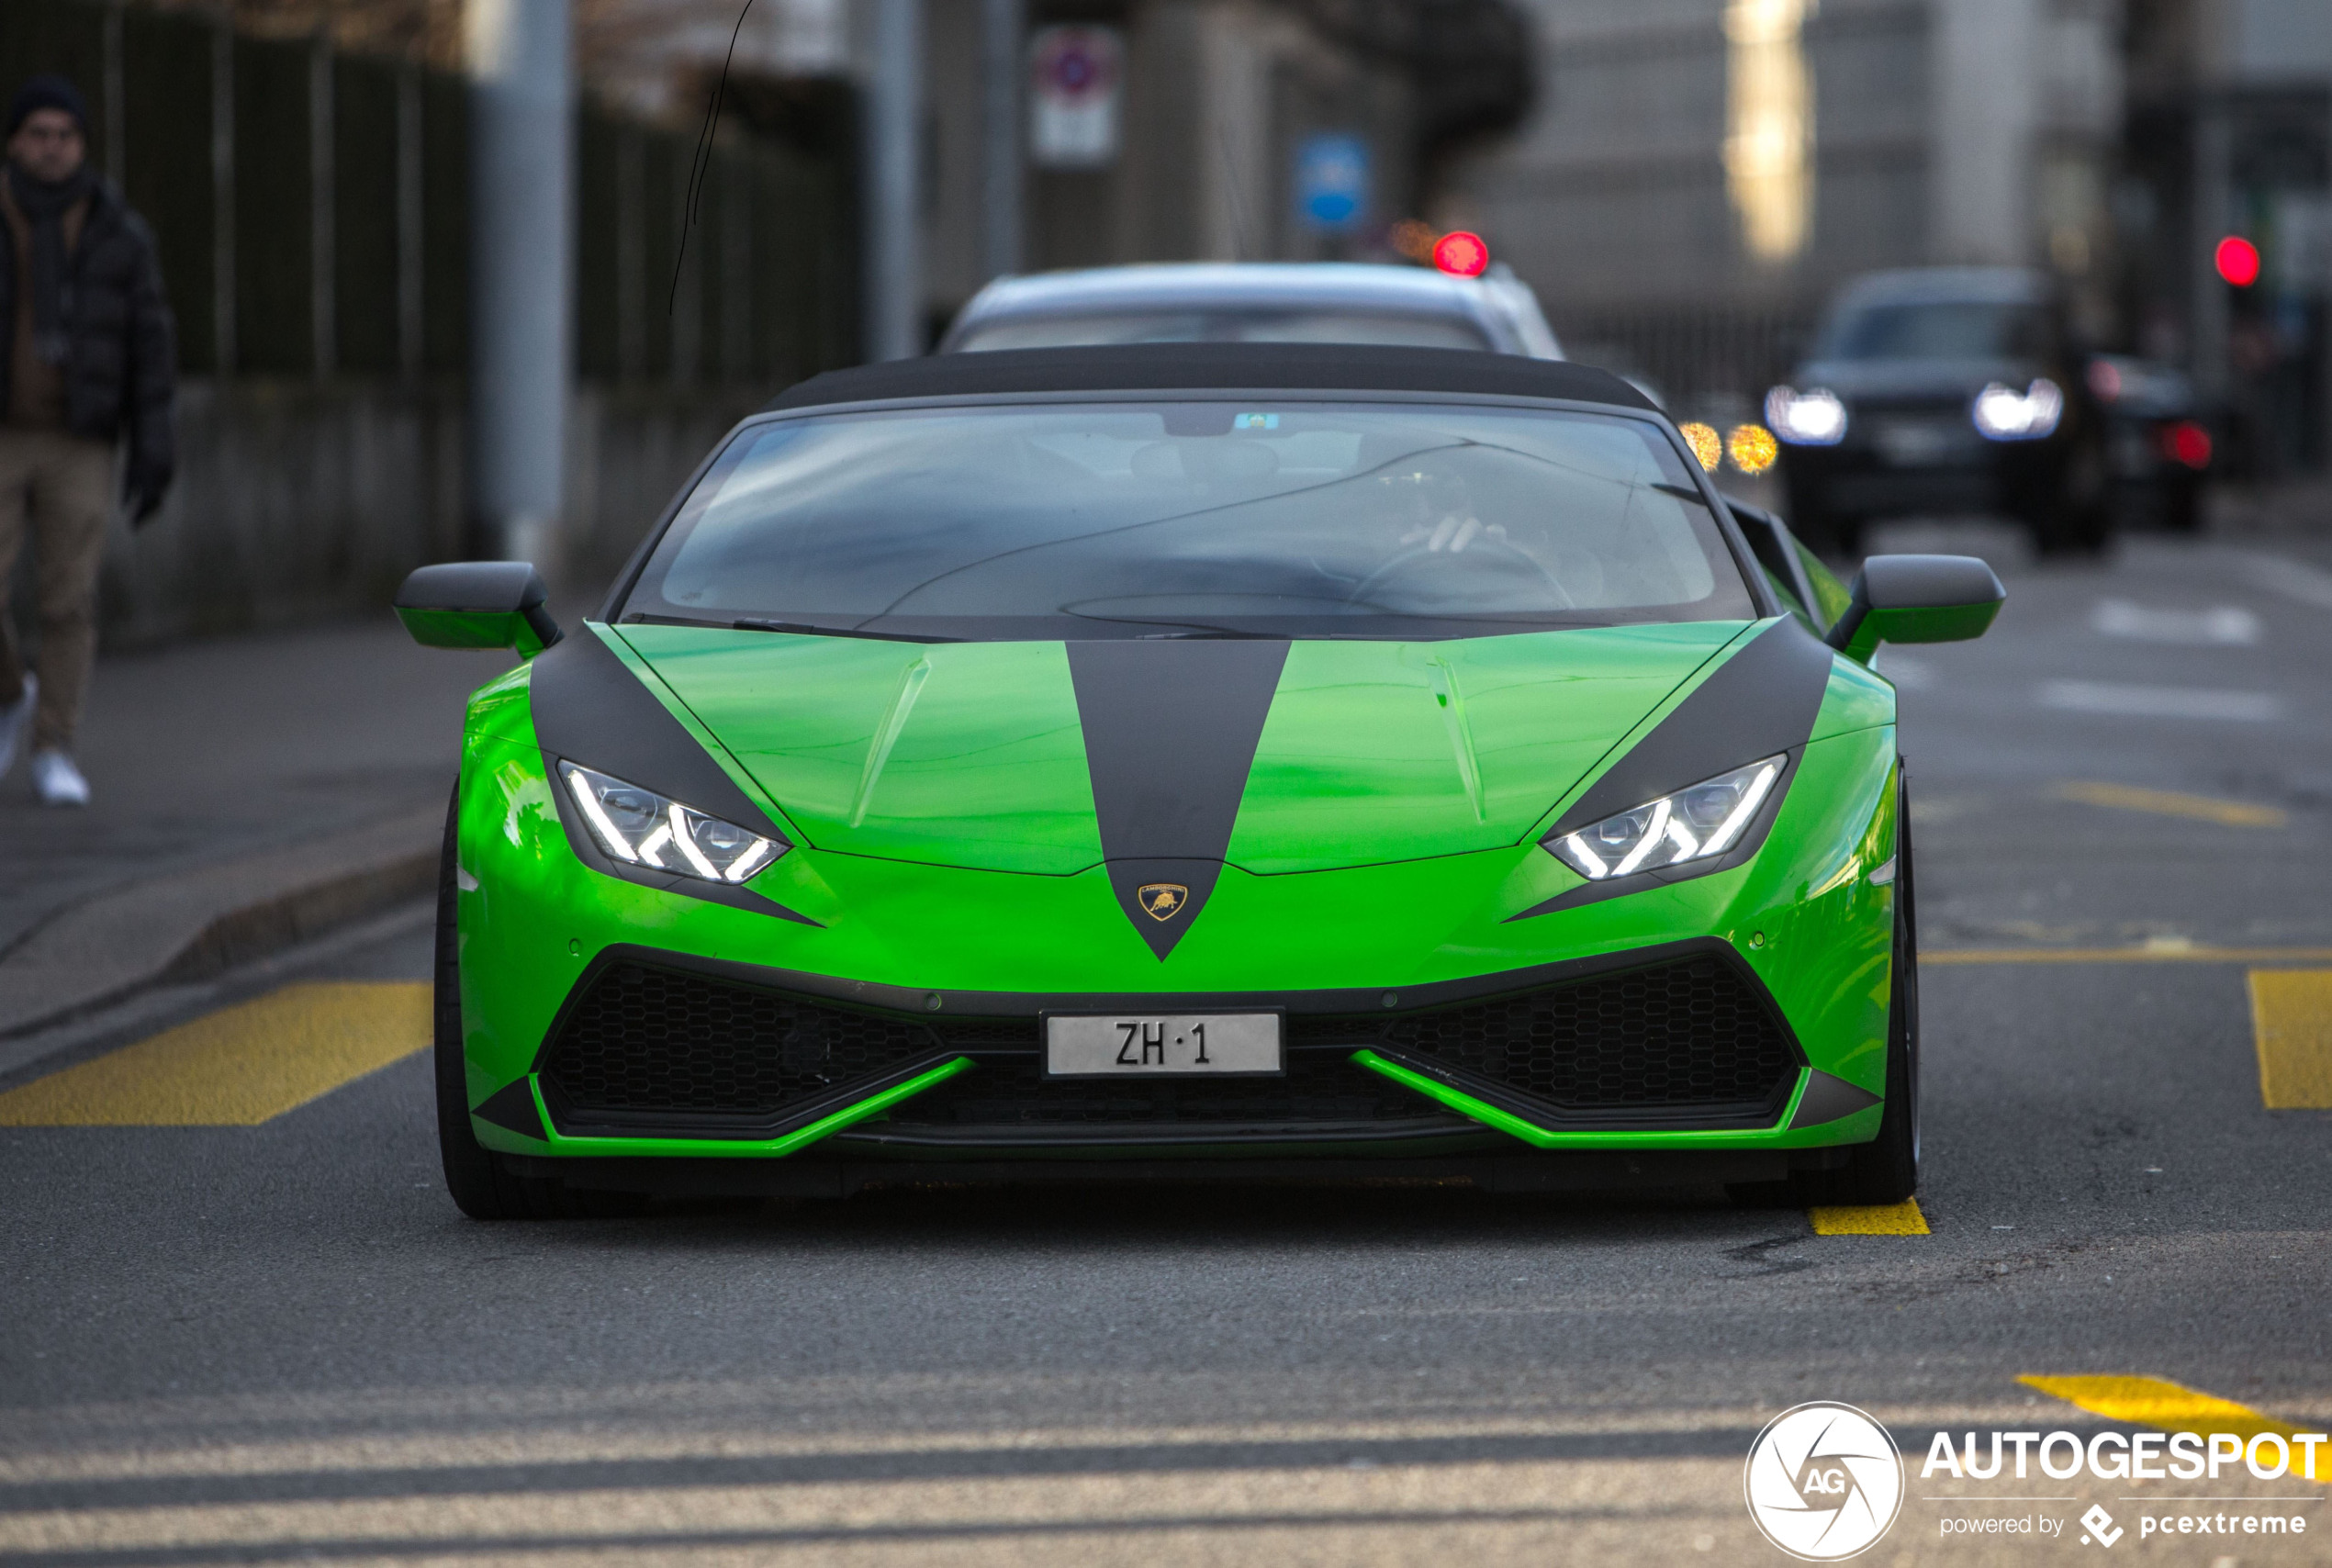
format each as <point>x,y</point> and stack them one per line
<point>56,781</point>
<point>13,719</point>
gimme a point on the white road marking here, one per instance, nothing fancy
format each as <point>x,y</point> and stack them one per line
<point>2224,625</point>
<point>2158,701</point>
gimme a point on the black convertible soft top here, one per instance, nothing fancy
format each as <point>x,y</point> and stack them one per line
<point>1280,367</point>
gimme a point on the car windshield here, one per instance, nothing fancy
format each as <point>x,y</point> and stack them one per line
<point>1376,328</point>
<point>1940,330</point>
<point>1003,521</point>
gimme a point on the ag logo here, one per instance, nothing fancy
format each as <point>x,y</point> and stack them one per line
<point>1161,901</point>
<point>1823,1482</point>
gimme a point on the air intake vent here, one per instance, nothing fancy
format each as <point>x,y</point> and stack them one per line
<point>1692,1039</point>
<point>641,1041</point>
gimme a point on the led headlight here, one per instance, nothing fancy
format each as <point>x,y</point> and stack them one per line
<point>641,827</point>
<point>1698,823</point>
<point>1805,418</point>
<point>2002,413</point>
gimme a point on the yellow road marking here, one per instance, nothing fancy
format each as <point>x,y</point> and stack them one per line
<point>2292,1020</point>
<point>2160,951</point>
<point>1870,1219</point>
<point>237,1067</point>
<point>2169,1407</point>
<point>2169,804</point>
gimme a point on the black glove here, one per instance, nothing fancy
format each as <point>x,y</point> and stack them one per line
<point>143,488</point>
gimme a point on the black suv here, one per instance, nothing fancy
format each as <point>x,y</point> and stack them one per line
<point>1944,390</point>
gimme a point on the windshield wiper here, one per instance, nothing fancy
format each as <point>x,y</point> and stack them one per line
<point>804,628</point>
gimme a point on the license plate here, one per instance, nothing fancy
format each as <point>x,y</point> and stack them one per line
<point>1910,444</point>
<point>1161,1045</point>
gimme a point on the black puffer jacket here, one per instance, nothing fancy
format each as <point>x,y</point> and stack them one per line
<point>121,371</point>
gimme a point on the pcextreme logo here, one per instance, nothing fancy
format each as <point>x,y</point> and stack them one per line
<point>1823,1481</point>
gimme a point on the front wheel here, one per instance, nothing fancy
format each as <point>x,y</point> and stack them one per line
<point>2075,515</point>
<point>1886,1169</point>
<point>482,1188</point>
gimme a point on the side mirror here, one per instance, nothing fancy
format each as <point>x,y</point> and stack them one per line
<point>1917,598</point>
<point>477,604</point>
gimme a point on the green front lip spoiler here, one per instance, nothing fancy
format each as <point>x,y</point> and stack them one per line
<point>874,1104</point>
<point>763,1149</point>
<point>1529,1132</point>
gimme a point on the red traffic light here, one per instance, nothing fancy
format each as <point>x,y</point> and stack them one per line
<point>1462,254</point>
<point>2237,261</point>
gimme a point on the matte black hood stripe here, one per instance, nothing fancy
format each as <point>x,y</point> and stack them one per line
<point>1171,729</point>
<point>591,709</point>
<point>1760,702</point>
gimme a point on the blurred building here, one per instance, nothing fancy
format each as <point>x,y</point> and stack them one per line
<point>640,56</point>
<point>1215,129</point>
<point>1699,175</point>
<point>308,174</point>
<point>2230,134</point>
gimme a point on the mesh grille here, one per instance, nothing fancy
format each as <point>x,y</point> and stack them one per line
<point>642,1039</point>
<point>1677,1036</point>
<point>1317,1089</point>
<point>1690,1036</point>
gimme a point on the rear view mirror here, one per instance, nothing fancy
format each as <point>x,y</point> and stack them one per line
<point>1917,598</point>
<point>477,604</point>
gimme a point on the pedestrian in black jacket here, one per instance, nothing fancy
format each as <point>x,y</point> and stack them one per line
<point>88,361</point>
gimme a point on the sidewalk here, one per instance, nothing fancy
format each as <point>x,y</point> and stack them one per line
<point>228,775</point>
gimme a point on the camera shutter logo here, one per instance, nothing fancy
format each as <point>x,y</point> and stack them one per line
<point>1823,1482</point>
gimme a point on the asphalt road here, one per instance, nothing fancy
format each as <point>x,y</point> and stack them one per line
<point>280,1341</point>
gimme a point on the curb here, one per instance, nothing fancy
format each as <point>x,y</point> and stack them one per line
<point>197,924</point>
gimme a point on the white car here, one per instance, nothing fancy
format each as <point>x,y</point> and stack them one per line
<point>1275,302</point>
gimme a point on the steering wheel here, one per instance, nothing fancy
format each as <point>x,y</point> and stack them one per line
<point>1478,549</point>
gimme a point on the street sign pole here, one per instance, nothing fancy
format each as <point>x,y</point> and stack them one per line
<point>894,270</point>
<point>1005,25</point>
<point>522,180</point>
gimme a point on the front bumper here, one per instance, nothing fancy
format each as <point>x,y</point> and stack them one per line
<point>897,1025</point>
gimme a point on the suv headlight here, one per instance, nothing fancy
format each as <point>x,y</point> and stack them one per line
<point>1698,823</point>
<point>641,827</point>
<point>1805,418</point>
<point>2002,413</point>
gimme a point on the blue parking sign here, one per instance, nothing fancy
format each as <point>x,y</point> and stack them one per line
<point>1332,181</point>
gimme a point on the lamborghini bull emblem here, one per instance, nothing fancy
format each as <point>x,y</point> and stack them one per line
<point>1161,901</point>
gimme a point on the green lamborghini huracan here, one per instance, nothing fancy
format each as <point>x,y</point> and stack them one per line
<point>1182,762</point>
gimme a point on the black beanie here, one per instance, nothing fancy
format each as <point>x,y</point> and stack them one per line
<point>47,91</point>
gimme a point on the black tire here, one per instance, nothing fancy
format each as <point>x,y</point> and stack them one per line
<point>2076,517</point>
<point>1886,1169</point>
<point>481,1182</point>
<point>2182,504</point>
<point>475,1175</point>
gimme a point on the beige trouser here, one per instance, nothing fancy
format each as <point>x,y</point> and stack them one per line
<point>59,488</point>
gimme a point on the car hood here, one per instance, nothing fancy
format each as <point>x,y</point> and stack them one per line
<point>1883,380</point>
<point>1273,756</point>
